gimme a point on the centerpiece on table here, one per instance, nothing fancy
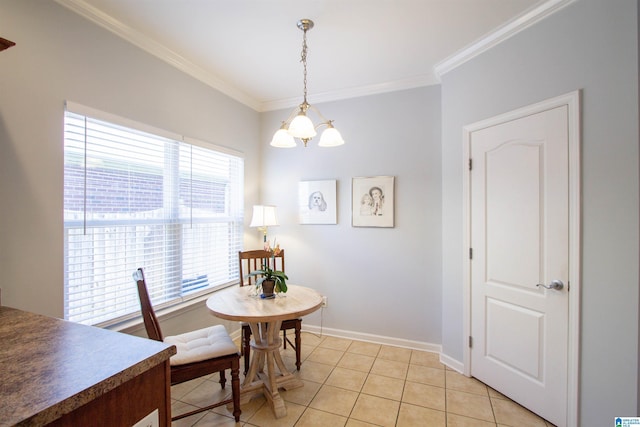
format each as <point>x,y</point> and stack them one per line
<point>270,279</point>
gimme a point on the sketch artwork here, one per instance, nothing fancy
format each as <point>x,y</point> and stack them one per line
<point>317,202</point>
<point>372,200</point>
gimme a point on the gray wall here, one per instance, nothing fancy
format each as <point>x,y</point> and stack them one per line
<point>591,45</point>
<point>379,281</point>
<point>60,56</point>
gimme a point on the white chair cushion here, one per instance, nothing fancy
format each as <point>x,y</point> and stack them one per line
<point>200,345</point>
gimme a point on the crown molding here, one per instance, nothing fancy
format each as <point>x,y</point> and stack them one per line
<point>355,92</point>
<point>499,35</point>
<point>145,43</point>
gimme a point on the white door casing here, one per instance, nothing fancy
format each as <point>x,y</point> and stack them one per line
<point>522,221</point>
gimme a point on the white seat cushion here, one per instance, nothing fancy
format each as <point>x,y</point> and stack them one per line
<point>200,345</point>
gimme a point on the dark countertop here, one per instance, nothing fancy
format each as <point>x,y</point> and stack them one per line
<point>49,367</point>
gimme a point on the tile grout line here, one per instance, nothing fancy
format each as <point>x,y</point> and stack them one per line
<point>493,411</point>
<point>446,411</point>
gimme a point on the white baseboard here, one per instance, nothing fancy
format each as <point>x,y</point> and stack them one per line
<point>452,363</point>
<point>378,339</point>
<point>236,334</point>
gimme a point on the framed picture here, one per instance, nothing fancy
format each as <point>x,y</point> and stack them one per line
<point>372,201</point>
<point>317,202</point>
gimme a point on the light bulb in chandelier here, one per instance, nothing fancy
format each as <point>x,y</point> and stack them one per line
<point>299,125</point>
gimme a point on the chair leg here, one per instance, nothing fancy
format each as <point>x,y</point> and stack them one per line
<point>235,389</point>
<point>298,345</point>
<point>246,346</point>
<point>284,339</point>
<point>223,379</point>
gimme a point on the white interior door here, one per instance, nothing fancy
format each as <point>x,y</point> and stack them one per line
<point>519,235</point>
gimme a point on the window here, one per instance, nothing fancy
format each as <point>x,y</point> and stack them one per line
<point>135,197</point>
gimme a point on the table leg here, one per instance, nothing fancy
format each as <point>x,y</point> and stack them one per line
<point>266,350</point>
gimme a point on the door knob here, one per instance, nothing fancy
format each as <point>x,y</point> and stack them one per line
<point>555,284</point>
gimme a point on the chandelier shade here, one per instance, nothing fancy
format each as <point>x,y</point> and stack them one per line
<point>302,127</point>
<point>299,125</point>
<point>282,139</point>
<point>330,137</point>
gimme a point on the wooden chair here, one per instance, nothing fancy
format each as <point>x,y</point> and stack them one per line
<point>250,261</point>
<point>199,353</point>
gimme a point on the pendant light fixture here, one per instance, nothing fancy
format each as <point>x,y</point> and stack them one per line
<point>298,124</point>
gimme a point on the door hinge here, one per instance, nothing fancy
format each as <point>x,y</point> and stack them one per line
<point>470,164</point>
<point>470,253</point>
<point>470,342</point>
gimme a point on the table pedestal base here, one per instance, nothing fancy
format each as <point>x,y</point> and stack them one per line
<point>266,350</point>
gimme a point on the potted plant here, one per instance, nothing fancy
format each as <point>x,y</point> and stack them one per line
<point>269,278</point>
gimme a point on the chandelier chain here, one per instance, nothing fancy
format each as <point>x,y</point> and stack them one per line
<point>303,59</point>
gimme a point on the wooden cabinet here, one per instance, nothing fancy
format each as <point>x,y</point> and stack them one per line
<point>126,404</point>
<point>61,373</point>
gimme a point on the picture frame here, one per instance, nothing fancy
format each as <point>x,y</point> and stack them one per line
<point>317,202</point>
<point>372,201</point>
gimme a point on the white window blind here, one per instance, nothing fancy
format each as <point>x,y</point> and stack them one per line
<point>135,199</point>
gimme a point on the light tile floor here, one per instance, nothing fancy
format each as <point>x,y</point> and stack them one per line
<point>357,384</point>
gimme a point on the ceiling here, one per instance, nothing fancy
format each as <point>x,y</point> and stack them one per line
<point>250,49</point>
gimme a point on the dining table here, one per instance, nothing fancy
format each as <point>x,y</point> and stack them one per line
<point>267,372</point>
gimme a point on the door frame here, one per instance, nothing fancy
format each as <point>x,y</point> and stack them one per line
<point>572,101</point>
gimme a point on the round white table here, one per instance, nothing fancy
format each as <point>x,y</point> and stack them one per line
<point>265,317</point>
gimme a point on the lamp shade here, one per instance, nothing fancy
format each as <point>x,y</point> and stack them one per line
<point>330,138</point>
<point>302,127</point>
<point>263,216</point>
<point>282,139</point>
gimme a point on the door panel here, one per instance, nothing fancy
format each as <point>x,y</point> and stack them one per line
<point>523,359</point>
<point>513,209</point>
<point>519,234</point>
